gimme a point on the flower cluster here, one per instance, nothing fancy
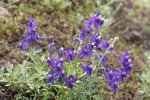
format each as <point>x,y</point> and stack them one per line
<point>90,46</point>
<point>126,62</point>
<point>30,36</point>
<point>57,66</point>
<point>114,77</point>
<point>95,21</point>
<point>86,50</point>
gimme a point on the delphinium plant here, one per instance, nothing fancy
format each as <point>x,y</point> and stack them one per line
<point>78,72</point>
<point>91,52</point>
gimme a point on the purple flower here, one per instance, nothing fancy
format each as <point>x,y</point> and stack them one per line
<point>55,63</point>
<point>111,78</point>
<point>84,32</point>
<point>32,23</point>
<point>60,51</point>
<point>86,51</point>
<point>113,86</point>
<point>103,45</point>
<point>76,39</point>
<point>58,70</point>
<point>88,69</point>
<point>111,48</point>
<point>87,23</point>
<point>51,46</point>
<point>63,77</point>
<point>97,57</point>
<point>121,74</point>
<point>23,45</point>
<point>52,77</point>
<point>109,74</point>
<point>124,57</point>
<point>31,35</point>
<point>97,21</point>
<point>70,81</point>
<point>104,60</point>
<point>70,54</point>
<point>95,39</point>
<point>126,62</point>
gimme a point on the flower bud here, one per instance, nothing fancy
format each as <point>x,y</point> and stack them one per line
<point>116,39</point>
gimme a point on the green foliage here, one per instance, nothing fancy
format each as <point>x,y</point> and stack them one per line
<point>145,78</point>
<point>30,79</point>
<point>83,91</point>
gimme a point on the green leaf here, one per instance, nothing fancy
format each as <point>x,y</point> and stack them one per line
<point>46,96</point>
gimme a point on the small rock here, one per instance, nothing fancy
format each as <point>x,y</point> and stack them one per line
<point>138,34</point>
<point>4,13</point>
<point>138,95</point>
